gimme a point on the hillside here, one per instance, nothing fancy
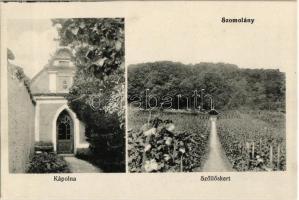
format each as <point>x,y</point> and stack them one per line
<point>231,87</point>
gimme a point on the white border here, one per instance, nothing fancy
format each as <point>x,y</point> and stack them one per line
<point>247,185</point>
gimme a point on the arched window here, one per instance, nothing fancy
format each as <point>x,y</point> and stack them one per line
<point>64,124</point>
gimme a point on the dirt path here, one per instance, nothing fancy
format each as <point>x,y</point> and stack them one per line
<point>80,166</point>
<point>216,160</point>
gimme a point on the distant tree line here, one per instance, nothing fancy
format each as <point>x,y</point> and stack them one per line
<point>231,87</point>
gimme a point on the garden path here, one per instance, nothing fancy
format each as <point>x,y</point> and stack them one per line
<point>80,166</point>
<point>216,160</point>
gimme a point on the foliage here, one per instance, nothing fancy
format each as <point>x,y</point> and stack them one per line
<point>96,95</point>
<point>98,44</point>
<point>47,163</point>
<point>160,146</point>
<point>230,86</point>
<point>81,152</point>
<point>10,55</point>
<point>100,161</point>
<point>238,135</point>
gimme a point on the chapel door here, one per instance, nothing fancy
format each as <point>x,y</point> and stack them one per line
<point>65,133</point>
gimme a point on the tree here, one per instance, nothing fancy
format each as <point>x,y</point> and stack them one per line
<point>230,86</point>
<point>97,93</point>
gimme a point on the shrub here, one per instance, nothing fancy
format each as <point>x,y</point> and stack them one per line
<point>159,147</point>
<point>47,163</point>
<point>82,152</point>
<point>107,143</point>
<point>107,165</point>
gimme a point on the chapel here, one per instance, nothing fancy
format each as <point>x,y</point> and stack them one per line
<point>54,121</point>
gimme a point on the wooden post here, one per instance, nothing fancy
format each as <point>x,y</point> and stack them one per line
<point>181,163</point>
<point>271,156</point>
<point>247,153</point>
<point>242,151</point>
<point>253,150</point>
<point>149,117</point>
<point>174,149</point>
<point>278,157</point>
<point>241,147</point>
<point>144,157</point>
<point>260,146</point>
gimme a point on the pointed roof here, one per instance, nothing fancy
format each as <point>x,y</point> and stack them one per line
<point>61,53</point>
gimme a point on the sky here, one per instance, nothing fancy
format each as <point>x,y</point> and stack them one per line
<point>32,42</point>
<point>184,33</point>
<point>196,34</point>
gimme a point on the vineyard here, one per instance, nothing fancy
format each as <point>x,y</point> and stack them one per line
<point>166,142</point>
<point>254,141</point>
<point>178,141</point>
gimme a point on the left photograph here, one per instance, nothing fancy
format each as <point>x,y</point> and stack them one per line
<point>66,87</point>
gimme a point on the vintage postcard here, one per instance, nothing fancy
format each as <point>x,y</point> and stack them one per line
<point>149,100</point>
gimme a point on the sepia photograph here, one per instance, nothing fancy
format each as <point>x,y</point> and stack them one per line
<point>66,90</point>
<point>207,101</point>
<point>206,117</point>
<point>148,100</point>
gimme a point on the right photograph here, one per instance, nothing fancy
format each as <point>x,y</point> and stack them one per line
<point>205,117</point>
